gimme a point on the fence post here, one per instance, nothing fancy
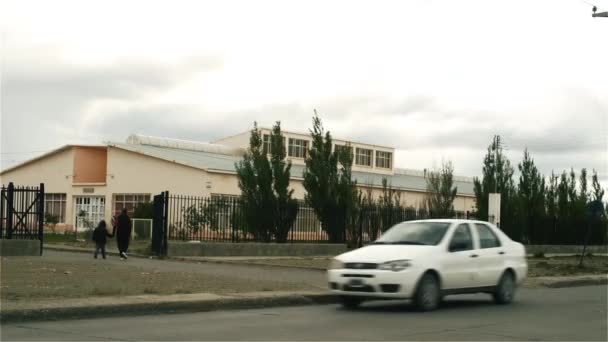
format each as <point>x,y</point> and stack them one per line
<point>41,216</point>
<point>2,218</point>
<point>9,210</point>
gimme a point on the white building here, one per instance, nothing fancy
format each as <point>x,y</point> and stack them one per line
<point>101,180</point>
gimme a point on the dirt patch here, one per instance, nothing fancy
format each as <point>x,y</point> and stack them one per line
<point>566,266</point>
<point>136,246</point>
<point>34,278</point>
<point>314,263</point>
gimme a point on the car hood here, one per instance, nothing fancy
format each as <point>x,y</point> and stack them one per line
<point>383,253</point>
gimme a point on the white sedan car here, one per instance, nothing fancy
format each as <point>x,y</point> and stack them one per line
<point>428,259</point>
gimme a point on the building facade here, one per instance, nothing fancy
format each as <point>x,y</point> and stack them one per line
<point>85,184</point>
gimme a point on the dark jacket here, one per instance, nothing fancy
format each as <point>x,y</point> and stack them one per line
<point>100,234</point>
<point>123,227</point>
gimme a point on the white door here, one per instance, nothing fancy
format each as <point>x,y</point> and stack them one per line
<point>460,261</point>
<point>89,211</point>
<point>491,255</point>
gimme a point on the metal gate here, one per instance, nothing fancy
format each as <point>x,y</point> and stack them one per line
<point>159,225</point>
<point>22,213</point>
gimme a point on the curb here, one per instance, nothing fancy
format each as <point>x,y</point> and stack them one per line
<point>204,305</point>
<point>576,282</point>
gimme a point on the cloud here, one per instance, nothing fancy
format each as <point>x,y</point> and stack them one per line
<point>436,80</point>
<point>49,99</point>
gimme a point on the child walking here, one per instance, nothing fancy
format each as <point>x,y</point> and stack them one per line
<point>100,235</point>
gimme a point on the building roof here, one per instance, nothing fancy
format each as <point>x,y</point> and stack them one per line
<point>335,139</point>
<point>225,163</point>
<point>47,154</point>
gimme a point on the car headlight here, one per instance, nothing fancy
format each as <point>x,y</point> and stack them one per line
<point>395,265</point>
<point>335,264</point>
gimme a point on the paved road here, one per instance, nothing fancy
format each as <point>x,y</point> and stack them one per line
<point>540,314</point>
<point>314,278</point>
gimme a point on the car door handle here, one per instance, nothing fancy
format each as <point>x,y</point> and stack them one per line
<point>501,252</point>
<point>473,255</point>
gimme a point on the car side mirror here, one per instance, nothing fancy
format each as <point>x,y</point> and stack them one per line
<point>457,246</point>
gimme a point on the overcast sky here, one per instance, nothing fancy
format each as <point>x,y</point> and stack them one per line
<point>434,79</point>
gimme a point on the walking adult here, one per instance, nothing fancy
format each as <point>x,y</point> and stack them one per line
<point>123,233</point>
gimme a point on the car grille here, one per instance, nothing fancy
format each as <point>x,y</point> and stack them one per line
<point>360,266</point>
<point>366,288</point>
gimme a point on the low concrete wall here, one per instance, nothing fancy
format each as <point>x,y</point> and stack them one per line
<point>565,249</point>
<point>214,249</point>
<point>14,247</point>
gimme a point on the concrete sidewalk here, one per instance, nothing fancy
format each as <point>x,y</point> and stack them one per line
<point>59,309</point>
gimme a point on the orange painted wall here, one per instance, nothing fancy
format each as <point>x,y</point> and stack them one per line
<point>90,164</point>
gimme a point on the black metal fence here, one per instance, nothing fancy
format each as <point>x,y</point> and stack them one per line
<point>22,212</point>
<point>222,219</point>
<point>374,220</point>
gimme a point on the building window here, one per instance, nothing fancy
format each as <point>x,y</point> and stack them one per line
<point>89,211</point>
<point>339,148</point>
<point>129,202</point>
<point>224,197</point>
<point>266,142</point>
<point>384,159</point>
<point>298,148</point>
<point>364,157</point>
<point>54,204</point>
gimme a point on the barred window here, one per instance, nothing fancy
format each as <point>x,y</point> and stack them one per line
<point>129,202</point>
<point>364,157</point>
<point>54,204</point>
<point>384,159</point>
<point>298,148</point>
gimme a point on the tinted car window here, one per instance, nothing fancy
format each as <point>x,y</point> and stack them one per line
<point>462,239</point>
<point>487,238</point>
<point>414,233</point>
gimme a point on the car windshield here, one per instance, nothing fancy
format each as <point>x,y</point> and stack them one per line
<point>414,233</point>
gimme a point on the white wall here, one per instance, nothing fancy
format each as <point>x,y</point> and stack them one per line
<point>130,172</point>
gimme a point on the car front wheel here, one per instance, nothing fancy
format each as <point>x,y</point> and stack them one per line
<point>428,293</point>
<point>505,291</point>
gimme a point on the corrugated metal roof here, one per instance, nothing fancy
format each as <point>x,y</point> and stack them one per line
<point>225,163</point>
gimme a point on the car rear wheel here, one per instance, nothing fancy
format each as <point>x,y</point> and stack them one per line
<point>350,302</point>
<point>428,293</point>
<point>505,291</point>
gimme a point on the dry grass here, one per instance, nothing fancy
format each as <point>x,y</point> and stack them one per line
<point>33,278</point>
<point>538,267</point>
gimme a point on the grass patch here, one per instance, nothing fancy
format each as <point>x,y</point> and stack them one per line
<point>540,266</point>
<point>110,291</point>
<point>36,278</point>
